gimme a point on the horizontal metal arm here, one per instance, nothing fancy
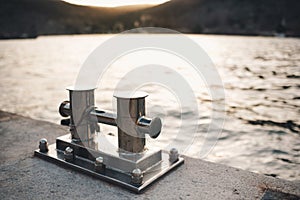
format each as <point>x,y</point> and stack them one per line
<point>102,116</point>
<point>144,125</point>
<point>105,117</point>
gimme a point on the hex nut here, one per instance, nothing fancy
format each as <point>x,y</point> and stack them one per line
<point>69,154</point>
<point>43,146</point>
<point>173,155</point>
<point>137,176</point>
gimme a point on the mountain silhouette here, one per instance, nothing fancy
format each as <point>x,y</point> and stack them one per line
<point>31,18</point>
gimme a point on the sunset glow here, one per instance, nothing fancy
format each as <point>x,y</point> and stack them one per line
<point>115,3</point>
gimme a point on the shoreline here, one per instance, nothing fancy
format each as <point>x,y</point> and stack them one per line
<point>273,35</point>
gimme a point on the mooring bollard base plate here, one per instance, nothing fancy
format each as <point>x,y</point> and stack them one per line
<point>86,164</point>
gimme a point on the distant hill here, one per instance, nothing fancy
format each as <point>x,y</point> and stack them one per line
<point>30,18</point>
<point>246,17</point>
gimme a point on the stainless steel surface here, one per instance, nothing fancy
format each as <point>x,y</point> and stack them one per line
<point>82,126</point>
<point>99,164</point>
<point>99,161</point>
<point>149,126</point>
<point>69,154</point>
<point>131,95</point>
<point>127,163</point>
<point>173,155</point>
<point>137,176</point>
<point>130,118</point>
<point>112,157</point>
<point>129,110</point>
<point>104,117</point>
<point>43,146</point>
<point>145,125</point>
<point>64,109</point>
<point>109,175</point>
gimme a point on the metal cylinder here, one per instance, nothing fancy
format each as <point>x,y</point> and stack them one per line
<point>130,118</point>
<point>130,107</point>
<point>82,126</point>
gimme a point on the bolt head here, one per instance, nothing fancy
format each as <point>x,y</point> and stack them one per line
<point>99,164</point>
<point>43,145</point>
<point>137,173</point>
<point>99,161</point>
<point>173,151</point>
<point>68,150</point>
<point>69,154</point>
<point>137,176</point>
<point>173,155</point>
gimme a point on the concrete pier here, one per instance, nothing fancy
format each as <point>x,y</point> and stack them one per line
<point>23,176</point>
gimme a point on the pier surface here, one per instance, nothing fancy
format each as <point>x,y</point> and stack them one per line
<point>23,176</point>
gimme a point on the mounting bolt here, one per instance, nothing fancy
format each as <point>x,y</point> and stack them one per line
<point>137,176</point>
<point>173,155</point>
<point>99,164</point>
<point>69,154</point>
<point>43,145</point>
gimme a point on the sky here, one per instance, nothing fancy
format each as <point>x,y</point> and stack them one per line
<point>114,3</point>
